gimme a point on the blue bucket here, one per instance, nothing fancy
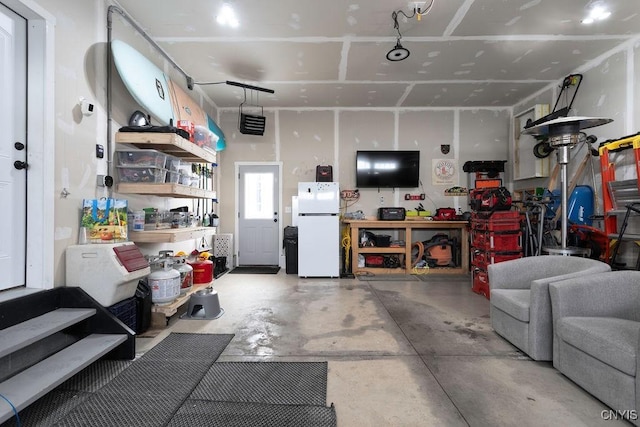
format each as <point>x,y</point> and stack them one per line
<point>581,205</point>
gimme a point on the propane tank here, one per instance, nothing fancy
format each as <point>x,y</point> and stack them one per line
<point>164,282</point>
<point>186,273</point>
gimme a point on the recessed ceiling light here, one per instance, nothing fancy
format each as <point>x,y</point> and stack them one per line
<point>227,16</point>
<point>597,13</point>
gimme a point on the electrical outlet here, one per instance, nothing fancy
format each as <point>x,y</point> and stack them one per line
<point>381,200</point>
<point>100,180</point>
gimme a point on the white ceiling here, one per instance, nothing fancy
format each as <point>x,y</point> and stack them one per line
<point>332,53</point>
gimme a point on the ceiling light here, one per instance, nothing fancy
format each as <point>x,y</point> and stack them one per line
<point>227,16</point>
<point>398,53</point>
<point>597,13</point>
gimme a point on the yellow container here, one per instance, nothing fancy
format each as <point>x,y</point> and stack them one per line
<point>411,213</point>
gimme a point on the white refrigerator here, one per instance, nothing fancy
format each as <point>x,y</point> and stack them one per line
<point>318,229</point>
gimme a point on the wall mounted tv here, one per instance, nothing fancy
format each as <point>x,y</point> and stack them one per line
<point>387,169</point>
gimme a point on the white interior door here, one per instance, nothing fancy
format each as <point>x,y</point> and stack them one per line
<point>13,174</point>
<point>258,216</point>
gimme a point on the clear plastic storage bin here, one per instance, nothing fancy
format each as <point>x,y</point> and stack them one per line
<point>140,158</point>
<point>173,163</point>
<point>194,181</point>
<point>149,175</point>
<point>185,179</point>
<point>173,177</point>
<point>185,168</point>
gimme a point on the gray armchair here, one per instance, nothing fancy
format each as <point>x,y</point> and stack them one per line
<point>597,336</point>
<point>520,304</point>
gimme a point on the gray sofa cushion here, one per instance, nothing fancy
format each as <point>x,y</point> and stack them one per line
<point>610,340</point>
<point>514,302</point>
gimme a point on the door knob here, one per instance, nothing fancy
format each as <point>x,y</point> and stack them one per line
<point>20,165</point>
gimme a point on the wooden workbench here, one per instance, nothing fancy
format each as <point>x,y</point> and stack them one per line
<point>406,227</point>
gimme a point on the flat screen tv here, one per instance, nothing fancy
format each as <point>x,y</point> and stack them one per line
<point>387,169</point>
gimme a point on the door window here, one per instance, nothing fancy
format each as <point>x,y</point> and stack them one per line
<point>258,196</point>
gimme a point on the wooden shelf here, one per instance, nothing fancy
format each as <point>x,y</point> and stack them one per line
<point>175,145</point>
<point>165,190</point>
<point>379,250</point>
<point>168,310</point>
<point>170,235</point>
<point>378,271</point>
<point>169,143</point>
<point>406,227</point>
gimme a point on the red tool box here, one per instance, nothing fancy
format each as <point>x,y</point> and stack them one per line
<point>480,283</point>
<point>493,241</point>
<point>481,259</point>
<point>496,215</point>
<point>495,224</point>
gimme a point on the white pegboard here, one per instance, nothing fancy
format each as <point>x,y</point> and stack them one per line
<point>223,247</point>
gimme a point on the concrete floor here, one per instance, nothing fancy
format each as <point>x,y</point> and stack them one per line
<point>400,353</point>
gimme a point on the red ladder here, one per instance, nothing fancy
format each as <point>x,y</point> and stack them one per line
<point>617,194</point>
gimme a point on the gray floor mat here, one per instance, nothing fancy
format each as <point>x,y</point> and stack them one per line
<point>107,410</point>
<point>48,409</point>
<point>151,390</point>
<point>182,346</point>
<point>56,404</point>
<point>232,414</point>
<point>155,390</point>
<point>155,378</point>
<point>285,383</point>
<point>95,376</point>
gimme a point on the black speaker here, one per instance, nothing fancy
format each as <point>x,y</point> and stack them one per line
<point>324,173</point>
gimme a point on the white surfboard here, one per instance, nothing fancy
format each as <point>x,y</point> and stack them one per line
<point>145,81</point>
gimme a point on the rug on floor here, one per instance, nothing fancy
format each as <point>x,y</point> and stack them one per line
<point>179,383</point>
<point>286,383</point>
<point>234,414</point>
<point>255,269</point>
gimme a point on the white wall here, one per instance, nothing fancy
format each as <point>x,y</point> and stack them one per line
<point>609,89</point>
<point>301,139</point>
<point>80,71</point>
